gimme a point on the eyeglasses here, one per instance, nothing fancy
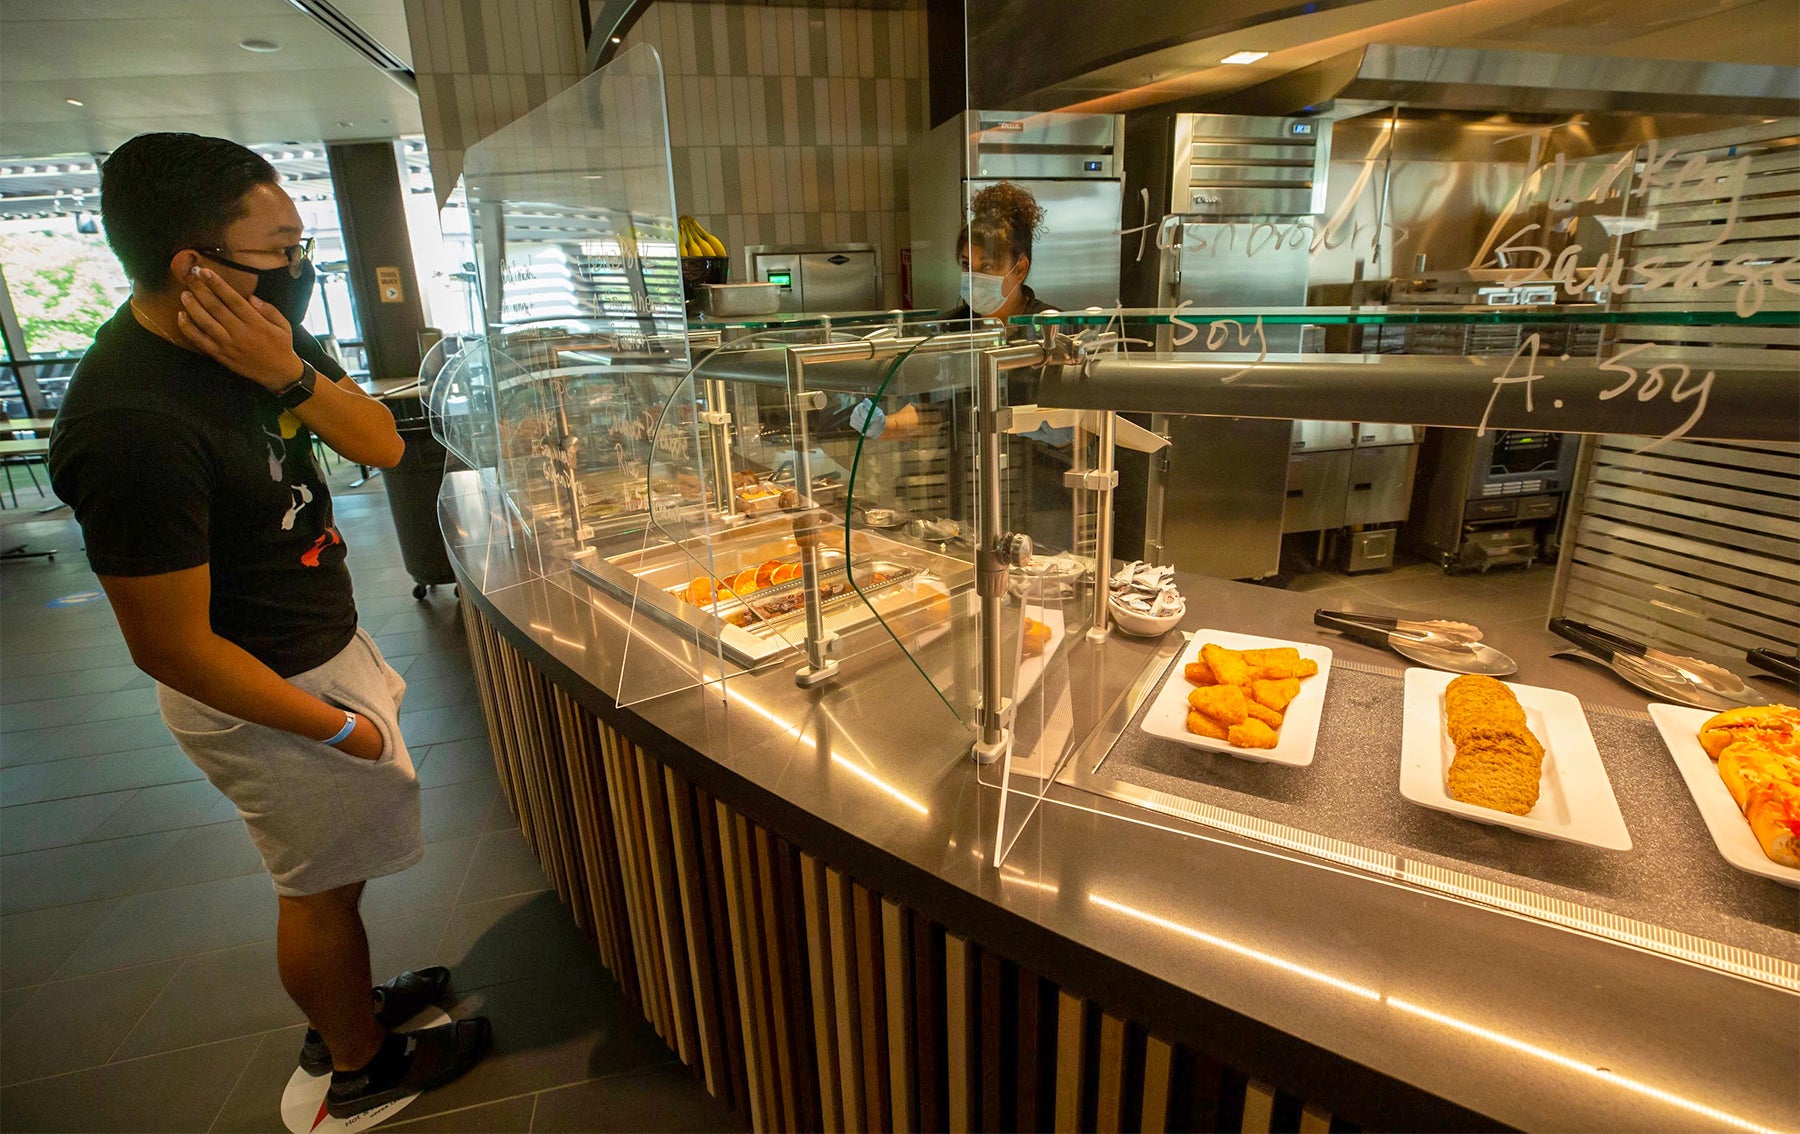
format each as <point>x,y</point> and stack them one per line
<point>296,254</point>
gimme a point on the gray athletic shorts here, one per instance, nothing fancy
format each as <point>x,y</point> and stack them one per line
<point>321,818</point>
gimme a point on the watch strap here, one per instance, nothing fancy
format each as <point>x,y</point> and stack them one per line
<point>295,393</point>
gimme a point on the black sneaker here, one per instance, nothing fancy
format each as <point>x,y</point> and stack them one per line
<point>396,1002</point>
<point>409,1062</point>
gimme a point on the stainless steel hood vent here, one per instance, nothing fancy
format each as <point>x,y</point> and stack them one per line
<point>1520,82</point>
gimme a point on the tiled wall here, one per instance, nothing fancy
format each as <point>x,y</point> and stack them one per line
<point>791,124</point>
<point>482,63</point>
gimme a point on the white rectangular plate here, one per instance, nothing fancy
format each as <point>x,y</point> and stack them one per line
<point>1680,728</point>
<point>1575,799</point>
<point>1299,735</point>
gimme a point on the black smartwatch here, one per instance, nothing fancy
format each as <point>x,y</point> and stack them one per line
<point>295,393</point>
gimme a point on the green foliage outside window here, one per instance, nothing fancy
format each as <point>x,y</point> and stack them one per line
<point>64,285</point>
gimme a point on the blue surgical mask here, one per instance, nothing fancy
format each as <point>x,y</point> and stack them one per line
<point>983,292</point>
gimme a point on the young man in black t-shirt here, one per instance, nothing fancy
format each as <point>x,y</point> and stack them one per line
<point>184,446</point>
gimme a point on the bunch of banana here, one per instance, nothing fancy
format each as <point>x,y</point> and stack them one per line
<point>696,241</point>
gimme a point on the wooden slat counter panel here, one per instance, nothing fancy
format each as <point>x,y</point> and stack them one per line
<point>800,996</point>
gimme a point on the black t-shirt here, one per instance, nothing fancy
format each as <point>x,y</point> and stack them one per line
<point>171,461</point>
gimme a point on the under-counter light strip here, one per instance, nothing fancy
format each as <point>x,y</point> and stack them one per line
<point>1241,950</point>
<point>1451,1022</point>
<point>1576,1065</point>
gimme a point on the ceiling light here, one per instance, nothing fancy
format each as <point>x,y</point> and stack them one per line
<point>74,102</point>
<point>615,39</point>
<point>260,46</point>
<point>1244,57</point>
<point>346,124</point>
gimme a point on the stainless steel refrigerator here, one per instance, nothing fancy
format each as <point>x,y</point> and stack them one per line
<point>1221,490</point>
<point>1069,162</point>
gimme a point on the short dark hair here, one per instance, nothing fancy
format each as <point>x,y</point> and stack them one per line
<point>160,193</point>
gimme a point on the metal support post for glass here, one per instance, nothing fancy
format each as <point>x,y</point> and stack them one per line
<point>1106,479</point>
<point>719,418</point>
<point>820,666</point>
<point>995,550</point>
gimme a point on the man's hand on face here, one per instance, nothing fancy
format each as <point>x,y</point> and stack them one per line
<point>242,334</point>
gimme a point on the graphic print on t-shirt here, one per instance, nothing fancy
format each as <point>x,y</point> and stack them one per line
<point>287,428</point>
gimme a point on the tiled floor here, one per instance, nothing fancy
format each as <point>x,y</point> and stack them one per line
<point>137,966</point>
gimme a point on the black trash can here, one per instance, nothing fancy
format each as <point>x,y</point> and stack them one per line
<point>412,492</point>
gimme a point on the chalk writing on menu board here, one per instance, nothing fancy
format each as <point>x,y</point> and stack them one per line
<point>1567,190</point>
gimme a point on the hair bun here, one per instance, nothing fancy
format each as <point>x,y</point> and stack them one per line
<point>1009,204</point>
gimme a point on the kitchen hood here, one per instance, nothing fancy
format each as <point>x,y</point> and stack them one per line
<point>1519,82</point>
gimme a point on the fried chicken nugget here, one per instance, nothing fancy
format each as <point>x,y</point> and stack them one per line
<point>1223,703</point>
<point>1228,666</point>
<point>1198,673</point>
<point>1252,734</point>
<point>1263,713</point>
<point>1202,725</point>
<point>1276,695</point>
<point>1277,655</point>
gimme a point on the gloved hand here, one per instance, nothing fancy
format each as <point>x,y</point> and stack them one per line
<point>868,419</point>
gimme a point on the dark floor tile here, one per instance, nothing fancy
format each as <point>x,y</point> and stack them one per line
<point>457,810</point>
<point>666,1098</point>
<point>434,726</point>
<point>34,945</point>
<point>166,807</point>
<point>72,1024</point>
<point>13,999</point>
<point>501,817</point>
<point>427,666</point>
<point>178,923</point>
<point>213,996</point>
<point>502,865</point>
<point>410,941</point>
<point>254,1104</point>
<point>422,617</point>
<point>549,1032</point>
<point>503,1117</point>
<point>456,762</point>
<point>433,883</point>
<point>52,713</point>
<point>70,659</point>
<point>525,935</point>
<point>90,738</point>
<point>81,873</point>
<point>57,822</point>
<point>437,692</point>
<point>222,811</point>
<point>180,1091</point>
<point>144,767</point>
<point>33,783</point>
<point>204,854</point>
<point>42,684</point>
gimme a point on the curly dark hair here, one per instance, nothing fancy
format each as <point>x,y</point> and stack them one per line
<point>1004,219</point>
<point>160,193</point>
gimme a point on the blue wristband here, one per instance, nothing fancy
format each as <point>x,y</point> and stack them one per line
<point>343,733</point>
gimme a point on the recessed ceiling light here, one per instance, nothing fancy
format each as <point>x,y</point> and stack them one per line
<point>346,124</point>
<point>260,46</point>
<point>1244,57</point>
<point>74,102</point>
<point>615,39</point>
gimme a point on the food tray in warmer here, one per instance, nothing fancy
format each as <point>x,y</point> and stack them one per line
<point>755,628</point>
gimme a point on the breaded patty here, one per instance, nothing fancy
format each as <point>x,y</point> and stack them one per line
<point>1223,703</point>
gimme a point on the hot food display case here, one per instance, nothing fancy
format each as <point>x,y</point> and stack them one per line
<point>865,784</point>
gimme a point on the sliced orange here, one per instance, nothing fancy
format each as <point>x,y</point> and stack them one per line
<point>787,572</point>
<point>700,591</point>
<point>765,573</point>
<point>745,582</point>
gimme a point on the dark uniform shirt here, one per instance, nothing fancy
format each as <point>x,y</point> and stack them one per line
<point>171,461</point>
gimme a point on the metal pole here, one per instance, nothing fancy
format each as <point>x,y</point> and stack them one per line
<point>820,666</point>
<point>995,551</point>
<point>1107,480</point>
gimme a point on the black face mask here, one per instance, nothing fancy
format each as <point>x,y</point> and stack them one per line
<point>290,295</point>
<point>279,287</point>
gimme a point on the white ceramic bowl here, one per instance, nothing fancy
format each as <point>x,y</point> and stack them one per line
<point>1143,625</point>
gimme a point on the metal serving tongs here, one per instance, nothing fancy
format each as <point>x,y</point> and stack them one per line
<point>1784,666</point>
<point>1452,646</point>
<point>1688,681</point>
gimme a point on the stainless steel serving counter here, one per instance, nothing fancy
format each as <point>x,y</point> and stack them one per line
<point>1370,996</point>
